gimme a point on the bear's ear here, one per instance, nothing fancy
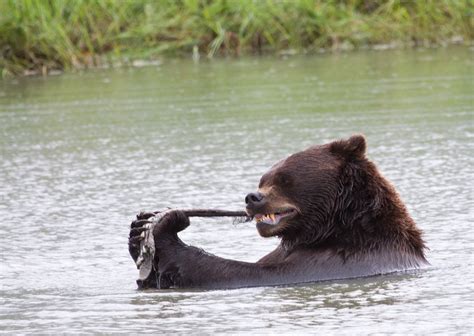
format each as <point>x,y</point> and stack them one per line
<point>353,147</point>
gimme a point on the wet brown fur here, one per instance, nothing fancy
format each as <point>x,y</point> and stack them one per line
<point>349,222</point>
<point>342,200</point>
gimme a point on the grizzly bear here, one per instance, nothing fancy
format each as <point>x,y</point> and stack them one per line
<point>336,215</point>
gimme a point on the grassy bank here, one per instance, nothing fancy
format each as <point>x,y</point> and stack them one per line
<point>42,35</point>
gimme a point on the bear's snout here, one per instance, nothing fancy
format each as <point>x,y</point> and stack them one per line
<point>255,199</point>
<point>255,202</point>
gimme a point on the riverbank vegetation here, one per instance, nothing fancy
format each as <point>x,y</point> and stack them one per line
<point>43,36</point>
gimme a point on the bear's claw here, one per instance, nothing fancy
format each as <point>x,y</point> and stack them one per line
<point>145,215</point>
<point>139,223</point>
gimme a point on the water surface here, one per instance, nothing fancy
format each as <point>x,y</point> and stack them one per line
<point>82,153</point>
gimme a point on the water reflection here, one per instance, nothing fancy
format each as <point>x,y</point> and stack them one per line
<point>81,154</point>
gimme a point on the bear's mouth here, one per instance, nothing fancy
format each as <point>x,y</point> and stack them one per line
<point>274,218</point>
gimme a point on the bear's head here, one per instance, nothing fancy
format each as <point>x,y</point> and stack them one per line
<point>332,195</point>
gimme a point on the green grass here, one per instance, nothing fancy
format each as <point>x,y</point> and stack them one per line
<point>43,35</point>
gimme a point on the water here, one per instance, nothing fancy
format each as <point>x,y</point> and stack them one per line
<point>82,153</point>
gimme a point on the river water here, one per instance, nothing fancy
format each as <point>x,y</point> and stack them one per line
<point>81,154</point>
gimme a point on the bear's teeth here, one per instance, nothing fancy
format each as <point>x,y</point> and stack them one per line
<point>269,218</point>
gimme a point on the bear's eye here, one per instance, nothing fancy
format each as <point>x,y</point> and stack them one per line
<point>283,179</point>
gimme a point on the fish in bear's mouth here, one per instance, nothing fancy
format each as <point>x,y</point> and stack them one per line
<point>274,218</point>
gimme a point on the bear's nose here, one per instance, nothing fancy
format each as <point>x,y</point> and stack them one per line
<point>253,198</point>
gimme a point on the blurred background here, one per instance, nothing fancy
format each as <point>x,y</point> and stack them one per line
<point>44,36</point>
<point>110,107</point>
